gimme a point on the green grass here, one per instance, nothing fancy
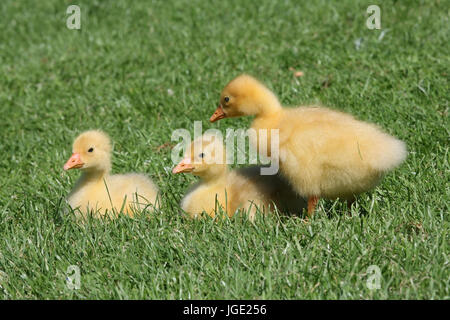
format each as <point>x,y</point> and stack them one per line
<point>115,74</point>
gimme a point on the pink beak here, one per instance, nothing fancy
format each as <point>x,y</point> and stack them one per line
<point>74,162</point>
<point>184,166</point>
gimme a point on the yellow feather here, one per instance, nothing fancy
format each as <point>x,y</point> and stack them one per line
<point>99,192</point>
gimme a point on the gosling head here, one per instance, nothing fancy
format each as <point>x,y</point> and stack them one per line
<point>244,96</point>
<point>205,157</point>
<point>91,151</point>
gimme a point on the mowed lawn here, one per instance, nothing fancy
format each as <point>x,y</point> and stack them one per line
<point>141,69</point>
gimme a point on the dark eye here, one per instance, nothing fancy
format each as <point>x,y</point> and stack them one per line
<point>201,155</point>
<point>226,99</point>
<point>91,149</point>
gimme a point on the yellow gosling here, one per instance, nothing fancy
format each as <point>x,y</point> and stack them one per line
<point>99,192</point>
<point>323,152</point>
<point>233,190</point>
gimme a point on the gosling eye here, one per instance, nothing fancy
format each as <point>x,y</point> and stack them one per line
<point>201,155</point>
<point>91,150</point>
<point>226,99</point>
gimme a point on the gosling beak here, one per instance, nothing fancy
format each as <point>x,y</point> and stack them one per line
<point>218,114</point>
<point>74,162</point>
<point>184,166</point>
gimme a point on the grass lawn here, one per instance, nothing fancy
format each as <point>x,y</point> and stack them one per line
<point>141,69</point>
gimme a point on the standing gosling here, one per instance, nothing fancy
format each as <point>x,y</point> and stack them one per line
<point>99,192</point>
<point>323,153</point>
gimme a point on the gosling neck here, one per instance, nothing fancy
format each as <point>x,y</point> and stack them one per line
<point>269,118</point>
<point>94,174</point>
<point>216,174</point>
<point>268,105</point>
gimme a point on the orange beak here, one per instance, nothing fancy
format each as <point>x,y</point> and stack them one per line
<point>218,114</point>
<point>184,166</point>
<point>74,162</point>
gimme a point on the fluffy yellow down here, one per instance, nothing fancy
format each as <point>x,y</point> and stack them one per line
<point>232,190</point>
<point>99,192</point>
<point>323,152</point>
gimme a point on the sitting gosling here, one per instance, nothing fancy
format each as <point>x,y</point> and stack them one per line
<point>99,192</point>
<point>242,189</point>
